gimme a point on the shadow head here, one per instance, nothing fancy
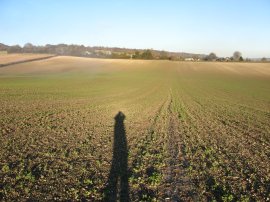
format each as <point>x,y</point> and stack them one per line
<point>120,116</point>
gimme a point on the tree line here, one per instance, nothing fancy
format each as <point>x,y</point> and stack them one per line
<point>237,56</point>
<point>98,52</point>
<point>118,53</point>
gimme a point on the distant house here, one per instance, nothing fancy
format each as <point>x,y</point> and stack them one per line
<point>227,59</point>
<point>103,52</point>
<point>221,59</point>
<point>88,53</point>
<point>189,59</point>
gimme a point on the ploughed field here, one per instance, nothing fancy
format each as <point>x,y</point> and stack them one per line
<point>101,130</point>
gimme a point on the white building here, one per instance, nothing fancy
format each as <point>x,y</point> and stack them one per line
<point>189,59</point>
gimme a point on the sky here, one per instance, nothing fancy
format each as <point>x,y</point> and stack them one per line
<point>194,26</point>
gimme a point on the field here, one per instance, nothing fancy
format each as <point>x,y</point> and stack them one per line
<point>105,130</point>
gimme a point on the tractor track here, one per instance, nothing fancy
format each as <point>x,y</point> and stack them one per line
<point>177,184</point>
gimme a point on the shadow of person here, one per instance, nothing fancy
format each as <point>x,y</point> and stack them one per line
<point>117,188</point>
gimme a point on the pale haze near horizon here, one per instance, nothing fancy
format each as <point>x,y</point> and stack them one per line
<point>193,26</point>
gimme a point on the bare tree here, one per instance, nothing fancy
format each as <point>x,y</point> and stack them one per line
<point>263,59</point>
<point>212,56</point>
<point>237,55</point>
<point>28,48</point>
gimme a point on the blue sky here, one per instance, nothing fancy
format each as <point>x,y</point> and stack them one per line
<point>196,26</point>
